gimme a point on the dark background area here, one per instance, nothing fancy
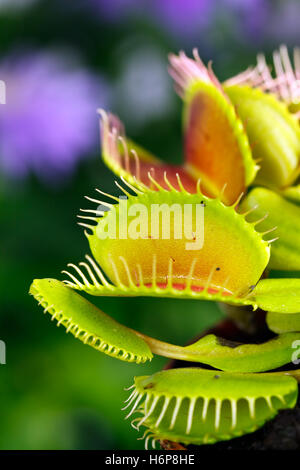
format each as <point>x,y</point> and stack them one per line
<point>55,392</point>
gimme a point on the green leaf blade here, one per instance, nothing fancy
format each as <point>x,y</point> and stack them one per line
<point>277,295</point>
<point>88,323</point>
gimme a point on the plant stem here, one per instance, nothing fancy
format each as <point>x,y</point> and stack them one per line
<point>168,350</point>
<point>178,352</point>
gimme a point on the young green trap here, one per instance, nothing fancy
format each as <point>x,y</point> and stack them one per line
<point>221,124</point>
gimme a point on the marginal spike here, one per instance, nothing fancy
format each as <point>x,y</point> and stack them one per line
<point>106,204</point>
<point>139,397</point>
<point>147,431</point>
<point>238,200</point>
<point>114,198</point>
<point>126,156</point>
<point>218,413</point>
<point>154,276</point>
<point>198,186</point>
<point>175,412</point>
<point>225,284</point>
<point>137,164</point>
<point>135,421</point>
<point>84,217</point>
<point>205,408</point>
<point>103,114</point>
<point>209,278</point>
<point>131,283</point>
<point>196,56</point>
<point>251,402</point>
<point>93,211</point>
<point>76,281</point>
<point>244,214</point>
<point>268,231</point>
<point>140,273</point>
<point>83,277</point>
<point>259,220</point>
<point>47,308</point>
<point>281,398</point>
<point>130,186</point>
<point>91,227</point>
<point>70,325</point>
<point>222,191</point>
<point>190,274</point>
<point>168,183</point>
<point>99,202</point>
<point>116,272</point>
<point>269,402</point>
<point>146,402</point>
<point>154,182</point>
<point>182,188</point>
<point>98,271</point>
<point>139,184</point>
<point>153,405</point>
<point>233,413</point>
<point>91,274</point>
<point>163,411</point>
<point>170,273</point>
<point>122,189</point>
<point>146,441</point>
<point>61,317</point>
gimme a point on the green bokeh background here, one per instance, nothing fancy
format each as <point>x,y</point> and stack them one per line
<point>55,392</point>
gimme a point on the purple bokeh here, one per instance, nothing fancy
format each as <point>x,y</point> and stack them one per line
<point>113,10</point>
<point>284,24</point>
<point>188,20</point>
<point>250,16</point>
<point>49,120</point>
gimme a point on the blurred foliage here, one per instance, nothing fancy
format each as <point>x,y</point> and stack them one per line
<point>57,393</point>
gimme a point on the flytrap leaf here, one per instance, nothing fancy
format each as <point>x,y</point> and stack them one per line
<point>87,323</point>
<point>235,357</point>
<point>195,406</point>
<point>283,322</point>
<point>283,214</point>
<point>171,243</point>
<point>273,132</point>
<point>277,295</point>
<point>284,84</point>
<point>216,146</point>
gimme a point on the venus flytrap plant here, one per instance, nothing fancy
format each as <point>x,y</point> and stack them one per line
<point>218,250</point>
<point>241,133</point>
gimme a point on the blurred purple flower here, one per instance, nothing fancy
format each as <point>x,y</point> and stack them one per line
<point>284,23</point>
<point>49,120</point>
<point>182,18</point>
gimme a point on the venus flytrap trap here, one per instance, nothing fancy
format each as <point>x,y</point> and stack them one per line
<point>197,406</point>
<point>191,231</point>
